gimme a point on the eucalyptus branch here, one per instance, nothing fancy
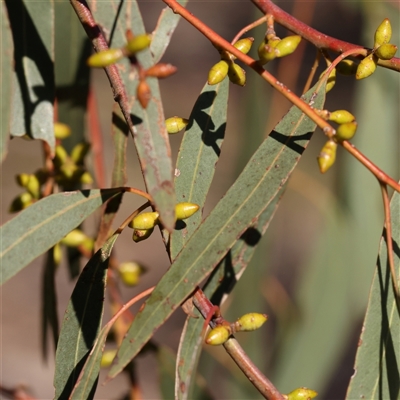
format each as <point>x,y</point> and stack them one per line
<point>318,39</point>
<point>239,356</point>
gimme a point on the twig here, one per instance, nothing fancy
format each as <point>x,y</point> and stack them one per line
<point>248,28</point>
<point>318,39</point>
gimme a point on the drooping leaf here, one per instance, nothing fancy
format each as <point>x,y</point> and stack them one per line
<point>198,154</point>
<point>258,188</point>
<point>32,25</point>
<point>150,136</point>
<point>166,25</point>
<point>377,366</point>
<point>81,324</point>
<point>166,371</point>
<point>6,75</point>
<point>43,224</point>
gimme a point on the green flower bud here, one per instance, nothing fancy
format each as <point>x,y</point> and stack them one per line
<point>176,124</point>
<point>185,210</point>
<point>250,322</point>
<point>218,335</point>
<point>130,273</point>
<point>218,72</point>
<point>57,254</point>
<point>301,394</point>
<point>22,179</point>
<point>386,52</point>
<point>346,131</point>
<point>87,245</point>
<point>74,238</point>
<point>86,178</point>
<point>244,45</point>
<point>107,358</point>
<point>79,152</point>
<point>347,67</point>
<point>237,74</point>
<point>33,186</point>
<point>287,45</point>
<point>138,43</point>
<point>267,51</point>
<point>146,220</point>
<point>383,33</point>
<point>366,67</point>
<point>69,171</point>
<point>327,156</point>
<point>61,131</point>
<point>21,202</point>
<point>141,234</point>
<point>105,58</point>
<point>341,116</point>
<point>60,156</point>
<point>330,83</point>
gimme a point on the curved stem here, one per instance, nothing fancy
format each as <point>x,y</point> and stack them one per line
<point>315,37</point>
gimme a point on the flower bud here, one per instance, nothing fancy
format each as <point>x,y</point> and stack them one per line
<point>61,131</point>
<point>366,67</point>
<point>105,58</point>
<point>347,67</point>
<point>60,156</point>
<point>57,254</point>
<point>69,170</point>
<point>185,210</point>
<point>244,45</point>
<point>330,83</point>
<point>22,179</point>
<point>138,43</point>
<point>327,156</point>
<point>218,335</point>
<point>218,72</point>
<point>250,322</point>
<point>21,202</point>
<point>341,116</point>
<point>74,238</point>
<point>267,51</point>
<point>176,124</point>
<point>386,52</point>
<point>141,234</point>
<point>287,45</point>
<point>346,131</point>
<point>107,358</point>
<point>237,74</point>
<point>301,394</point>
<point>161,70</point>
<point>130,273</point>
<point>33,186</point>
<point>86,178</point>
<point>146,220</point>
<point>79,152</point>
<point>383,33</point>
<point>143,93</point>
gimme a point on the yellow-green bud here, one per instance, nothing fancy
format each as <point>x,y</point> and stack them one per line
<point>347,67</point>
<point>141,234</point>
<point>57,254</point>
<point>176,124</point>
<point>61,155</point>
<point>86,178</point>
<point>107,358</point>
<point>327,156</point>
<point>330,83</point>
<point>21,202</point>
<point>218,72</point>
<point>244,45</point>
<point>87,245</point>
<point>346,131</point>
<point>301,394</point>
<point>33,186</point>
<point>79,152</point>
<point>250,322</point>
<point>138,43</point>
<point>130,273</point>
<point>146,220</point>
<point>287,45</point>
<point>366,67</point>
<point>185,210</point>
<point>386,52</point>
<point>383,33</point>
<point>218,335</point>
<point>69,170</point>
<point>74,238</point>
<point>341,116</point>
<point>105,58</point>
<point>237,74</point>
<point>61,131</point>
<point>267,50</point>
<point>22,179</point>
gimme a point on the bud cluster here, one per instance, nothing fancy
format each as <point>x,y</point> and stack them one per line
<point>273,47</point>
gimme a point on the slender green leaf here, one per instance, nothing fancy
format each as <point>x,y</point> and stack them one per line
<point>258,188</point>
<point>166,371</point>
<point>377,366</point>
<point>166,25</point>
<point>43,224</point>
<point>198,154</point>
<point>6,75</point>
<point>81,324</point>
<point>32,25</point>
<point>151,138</point>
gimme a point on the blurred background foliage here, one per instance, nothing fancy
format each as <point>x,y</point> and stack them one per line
<point>312,272</point>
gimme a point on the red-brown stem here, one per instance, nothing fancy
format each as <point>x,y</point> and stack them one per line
<point>248,28</point>
<point>232,347</point>
<point>318,39</point>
